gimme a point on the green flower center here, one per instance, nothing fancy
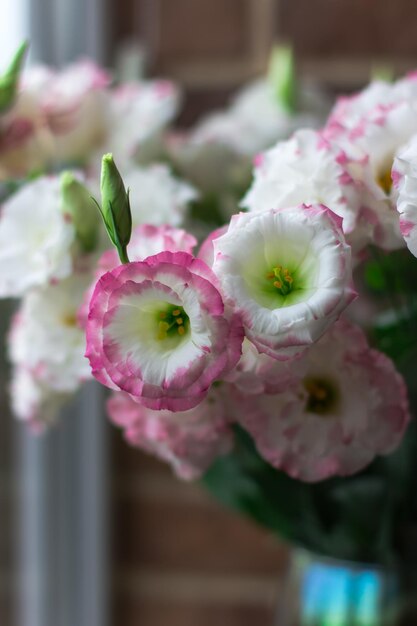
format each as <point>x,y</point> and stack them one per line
<point>172,322</point>
<point>281,279</point>
<point>280,274</point>
<point>323,396</point>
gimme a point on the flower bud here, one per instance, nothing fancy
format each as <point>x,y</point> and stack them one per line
<point>77,203</point>
<point>281,77</point>
<point>9,81</point>
<point>115,206</point>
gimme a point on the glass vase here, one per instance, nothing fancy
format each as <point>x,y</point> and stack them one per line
<point>325,592</point>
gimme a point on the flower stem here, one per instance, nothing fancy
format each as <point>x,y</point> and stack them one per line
<point>123,256</point>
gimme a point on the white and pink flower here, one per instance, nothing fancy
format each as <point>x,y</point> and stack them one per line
<point>156,196</point>
<point>146,240</point>
<point>157,330</point>
<point>311,169</point>
<point>34,402</point>
<point>46,339</point>
<point>288,273</point>
<point>139,113</point>
<point>345,405</point>
<point>188,440</point>
<point>404,175</point>
<point>35,238</point>
<point>75,103</point>
<point>26,142</point>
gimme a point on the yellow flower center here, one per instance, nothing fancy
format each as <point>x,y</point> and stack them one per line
<point>322,396</point>
<point>172,322</point>
<point>69,320</point>
<point>281,279</point>
<point>384,180</point>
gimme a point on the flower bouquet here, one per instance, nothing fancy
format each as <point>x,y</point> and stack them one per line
<point>275,360</point>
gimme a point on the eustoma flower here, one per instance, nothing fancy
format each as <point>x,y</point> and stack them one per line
<point>146,240</point>
<point>156,196</point>
<point>157,330</point>
<point>346,404</point>
<point>405,181</point>
<point>188,440</point>
<point>33,401</point>
<point>287,272</point>
<point>310,168</point>
<point>139,112</point>
<point>75,105</point>
<point>35,238</point>
<point>46,339</point>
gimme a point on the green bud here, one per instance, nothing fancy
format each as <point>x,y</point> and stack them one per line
<point>115,206</point>
<point>76,201</point>
<point>281,77</point>
<point>9,81</point>
<point>384,72</point>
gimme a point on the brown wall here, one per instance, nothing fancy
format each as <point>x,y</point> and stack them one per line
<point>180,559</point>
<point>220,43</point>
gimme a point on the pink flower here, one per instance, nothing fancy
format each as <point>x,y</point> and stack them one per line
<point>345,405</point>
<point>146,240</point>
<point>189,440</point>
<point>287,272</point>
<point>157,330</point>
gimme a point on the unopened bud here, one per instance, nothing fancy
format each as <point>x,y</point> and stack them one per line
<point>115,206</point>
<point>77,203</point>
<point>9,81</point>
<point>281,77</point>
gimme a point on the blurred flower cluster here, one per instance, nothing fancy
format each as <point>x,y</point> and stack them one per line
<point>226,319</point>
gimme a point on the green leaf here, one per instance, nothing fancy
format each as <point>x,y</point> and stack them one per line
<point>353,518</point>
<point>9,81</point>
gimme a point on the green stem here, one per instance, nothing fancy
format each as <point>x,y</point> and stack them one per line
<point>123,256</point>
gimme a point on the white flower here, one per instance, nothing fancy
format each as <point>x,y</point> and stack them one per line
<point>33,402</point>
<point>404,175</point>
<point>349,110</point>
<point>35,238</point>
<point>26,142</point>
<point>76,107</point>
<point>156,196</point>
<point>257,105</point>
<point>310,169</point>
<point>46,338</point>
<point>306,169</point>
<point>287,273</point>
<point>211,157</point>
<point>139,113</point>
<point>378,96</point>
<point>218,152</point>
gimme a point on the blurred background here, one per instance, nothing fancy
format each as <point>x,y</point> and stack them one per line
<point>93,533</point>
